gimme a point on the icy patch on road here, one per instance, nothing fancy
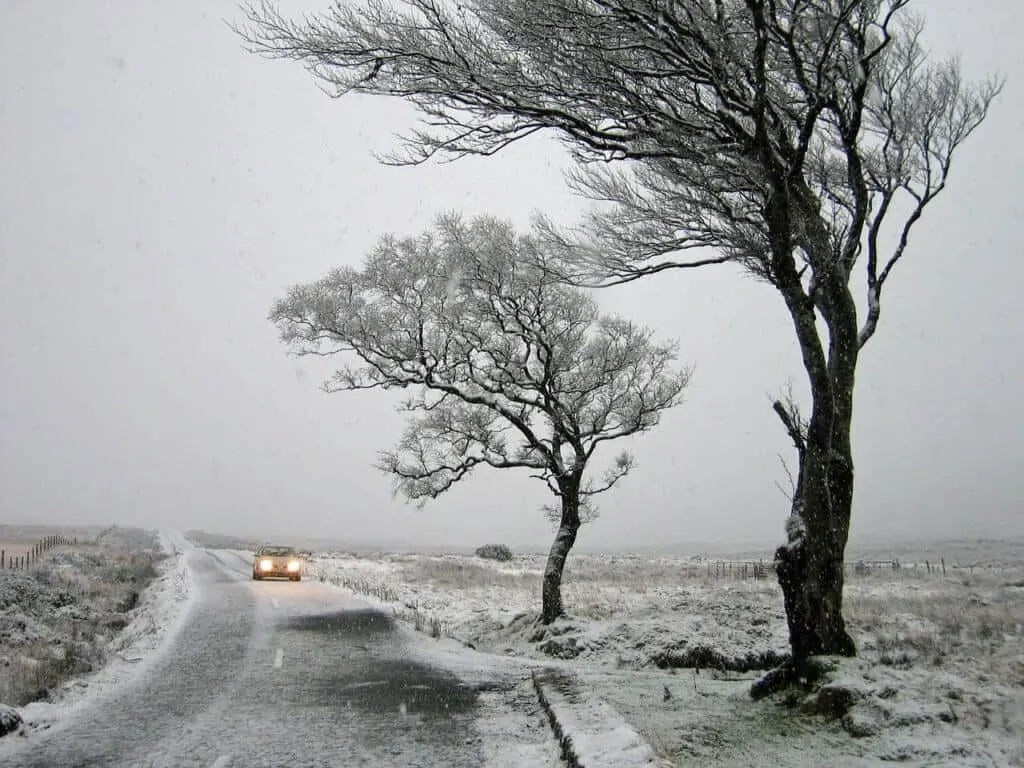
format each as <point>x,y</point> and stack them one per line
<point>159,616</point>
<point>510,727</point>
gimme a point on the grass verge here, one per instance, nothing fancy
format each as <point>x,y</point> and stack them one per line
<point>58,617</point>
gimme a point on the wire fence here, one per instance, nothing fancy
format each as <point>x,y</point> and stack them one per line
<point>28,558</point>
<point>741,570</point>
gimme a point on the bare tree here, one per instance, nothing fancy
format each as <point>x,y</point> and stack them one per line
<point>512,369</point>
<point>797,138</point>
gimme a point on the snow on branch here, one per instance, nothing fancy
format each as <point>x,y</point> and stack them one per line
<point>508,367</point>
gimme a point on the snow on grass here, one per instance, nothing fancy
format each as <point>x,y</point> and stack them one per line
<point>121,642</point>
<point>618,608</point>
<point>940,678</point>
<point>591,732</point>
<point>511,729</point>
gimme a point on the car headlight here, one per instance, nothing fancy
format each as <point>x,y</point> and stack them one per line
<point>293,565</point>
<point>267,565</point>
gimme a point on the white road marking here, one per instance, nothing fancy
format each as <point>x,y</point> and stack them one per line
<point>273,602</point>
<point>221,762</point>
<point>278,658</point>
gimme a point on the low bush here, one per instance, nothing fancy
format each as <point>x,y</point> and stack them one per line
<point>497,552</point>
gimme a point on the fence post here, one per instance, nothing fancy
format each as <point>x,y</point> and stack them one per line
<point>3,556</point>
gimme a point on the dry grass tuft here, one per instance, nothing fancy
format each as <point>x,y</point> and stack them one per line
<point>42,667</point>
<point>366,584</point>
<point>903,627</point>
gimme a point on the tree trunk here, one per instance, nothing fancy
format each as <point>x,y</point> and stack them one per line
<point>569,525</point>
<point>810,565</point>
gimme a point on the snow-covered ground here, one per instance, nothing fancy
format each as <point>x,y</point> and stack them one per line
<point>940,678</point>
<point>151,623</point>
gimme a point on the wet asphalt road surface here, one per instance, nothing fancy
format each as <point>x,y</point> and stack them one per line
<point>282,674</point>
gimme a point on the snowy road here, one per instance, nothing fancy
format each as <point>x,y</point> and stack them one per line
<point>283,674</point>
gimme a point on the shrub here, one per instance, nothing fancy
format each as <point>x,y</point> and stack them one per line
<point>497,552</point>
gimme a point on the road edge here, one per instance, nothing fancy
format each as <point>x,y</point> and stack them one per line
<point>591,733</point>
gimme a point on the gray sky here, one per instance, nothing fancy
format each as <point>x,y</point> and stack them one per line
<point>159,187</point>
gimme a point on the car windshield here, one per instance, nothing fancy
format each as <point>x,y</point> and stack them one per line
<point>277,551</point>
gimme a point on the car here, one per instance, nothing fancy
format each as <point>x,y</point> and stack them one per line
<point>276,561</point>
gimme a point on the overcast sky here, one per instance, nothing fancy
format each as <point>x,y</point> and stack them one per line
<point>160,187</point>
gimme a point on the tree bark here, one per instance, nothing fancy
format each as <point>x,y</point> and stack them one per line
<point>810,565</point>
<point>810,572</point>
<point>569,525</point>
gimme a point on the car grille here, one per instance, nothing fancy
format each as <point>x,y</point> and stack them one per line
<point>278,566</point>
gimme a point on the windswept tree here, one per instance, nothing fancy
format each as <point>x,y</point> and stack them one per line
<point>800,139</point>
<point>511,368</point>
